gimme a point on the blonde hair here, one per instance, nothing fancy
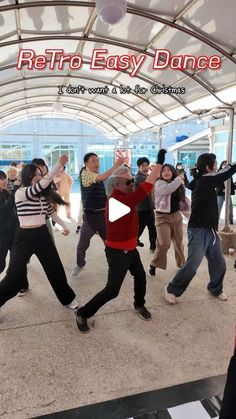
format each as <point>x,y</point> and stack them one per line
<point>12,169</point>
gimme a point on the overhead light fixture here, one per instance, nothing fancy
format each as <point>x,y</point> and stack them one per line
<point>111,11</point>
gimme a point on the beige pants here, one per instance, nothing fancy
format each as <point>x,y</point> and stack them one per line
<point>169,229</point>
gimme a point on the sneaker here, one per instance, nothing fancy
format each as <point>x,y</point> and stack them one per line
<point>82,323</point>
<point>170,298</point>
<point>22,292</point>
<point>152,270</point>
<point>76,270</point>
<point>143,313</point>
<point>73,305</point>
<point>140,244</point>
<point>222,297</point>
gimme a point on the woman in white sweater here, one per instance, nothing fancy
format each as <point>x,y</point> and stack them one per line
<point>168,193</point>
<point>33,202</point>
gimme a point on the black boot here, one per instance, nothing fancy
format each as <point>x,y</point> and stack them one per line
<point>152,270</point>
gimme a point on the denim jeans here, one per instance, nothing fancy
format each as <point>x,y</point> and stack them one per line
<point>119,262</point>
<point>201,242</point>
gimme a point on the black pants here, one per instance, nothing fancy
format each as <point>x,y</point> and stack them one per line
<point>6,244</point>
<point>6,240</point>
<point>228,407</point>
<point>92,222</point>
<point>36,241</point>
<point>147,219</point>
<point>119,262</point>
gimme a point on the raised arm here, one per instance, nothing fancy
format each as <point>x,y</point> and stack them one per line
<point>34,190</point>
<point>109,172</point>
<point>156,170</point>
<point>215,179</point>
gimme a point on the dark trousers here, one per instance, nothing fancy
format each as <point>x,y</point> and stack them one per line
<point>147,219</point>
<point>36,241</point>
<point>6,244</point>
<point>92,223</point>
<point>6,240</point>
<point>228,407</point>
<point>119,262</point>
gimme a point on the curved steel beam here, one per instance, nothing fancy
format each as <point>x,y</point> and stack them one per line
<point>130,10</point>
<point>92,79</point>
<point>25,108</point>
<point>114,43</point>
<point>84,109</point>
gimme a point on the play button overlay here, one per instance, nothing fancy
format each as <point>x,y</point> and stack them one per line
<point>117,210</point>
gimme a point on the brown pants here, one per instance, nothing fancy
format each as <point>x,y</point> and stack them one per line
<point>169,229</point>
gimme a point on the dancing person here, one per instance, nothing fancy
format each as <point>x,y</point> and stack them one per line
<point>8,225</point>
<point>121,242</point>
<point>220,191</point>
<point>94,200</point>
<point>33,201</point>
<point>203,239</point>
<point>146,207</point>
<point>168,193</point>
<point>64,188</point>
<point>12,173</point>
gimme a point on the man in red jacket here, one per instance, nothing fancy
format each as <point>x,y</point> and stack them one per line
<point>121,242</point>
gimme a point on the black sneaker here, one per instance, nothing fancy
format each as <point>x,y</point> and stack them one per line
<point>152,270</point>
<point>22,292</point>
<point>235,265</point>
<point>140,244</point>
<point>143,313</point>
<point>82,323</point>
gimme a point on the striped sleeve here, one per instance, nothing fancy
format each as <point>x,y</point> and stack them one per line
<point>28,193</point>
<point>88,178</point>
<point>50,209</point>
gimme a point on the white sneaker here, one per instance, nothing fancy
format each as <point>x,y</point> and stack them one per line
<point>76,270</point>
<point>222,297</point>
<point>23,292</point>
<point>73,305</point>
<point>170,298</point>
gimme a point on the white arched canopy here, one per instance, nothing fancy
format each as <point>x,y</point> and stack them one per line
<point>182,27</point>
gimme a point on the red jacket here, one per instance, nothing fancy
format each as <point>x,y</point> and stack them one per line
<point>123,233</point>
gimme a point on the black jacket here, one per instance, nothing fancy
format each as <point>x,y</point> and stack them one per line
<point>147,204</point>
<point>220,190</point>
<point>8,217</point>
<point>204,209</point>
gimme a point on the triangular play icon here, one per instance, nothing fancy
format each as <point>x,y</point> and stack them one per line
<point>117,209</point>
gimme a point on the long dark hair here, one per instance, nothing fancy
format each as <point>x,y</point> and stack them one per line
<point>221,165</point>
<point>204,160</point>
<point>27,174</point>
<point>180,191</point>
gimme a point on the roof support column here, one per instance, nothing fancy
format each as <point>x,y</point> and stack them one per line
<point>211,137</point>
<point>230,112</point>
